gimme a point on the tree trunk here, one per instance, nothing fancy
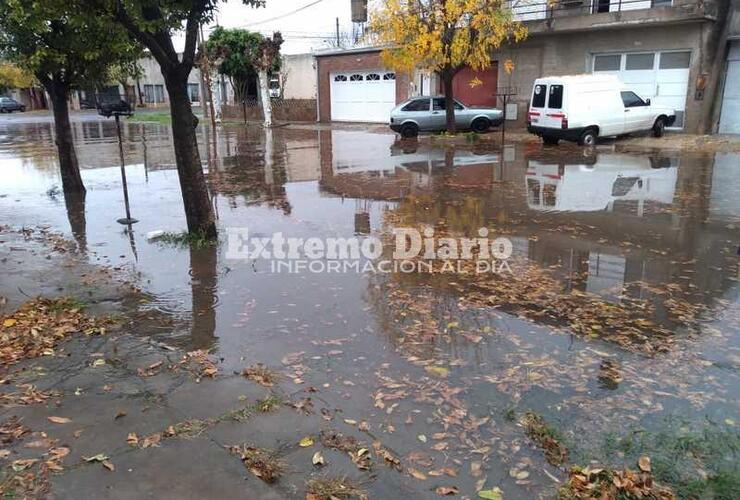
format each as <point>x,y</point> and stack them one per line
<point>197,202</point>
<point>447,77</point>
<point>265,96</point>
<point>68,164</point>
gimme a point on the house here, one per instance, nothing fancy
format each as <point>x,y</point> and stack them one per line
<point>666,50</point>
<point>355,86</point>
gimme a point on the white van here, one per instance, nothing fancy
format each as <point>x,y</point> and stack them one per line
<point>583,108</point>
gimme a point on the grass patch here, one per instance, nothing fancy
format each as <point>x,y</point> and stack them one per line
<point>699,462</point>
<point>330,488</point>
<point>268,404</point>
<point>155,117</point>
<point>265,405</point>
<point>263,463</point>
<point>546,437</point>
<point>185,239</point>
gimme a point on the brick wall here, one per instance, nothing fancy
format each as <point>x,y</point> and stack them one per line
<point>288,110</point>
<point>362,61</point>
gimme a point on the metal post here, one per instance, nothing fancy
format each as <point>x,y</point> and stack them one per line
<point>503,123</point>
<point>128,219</point>
<point>338,33</point>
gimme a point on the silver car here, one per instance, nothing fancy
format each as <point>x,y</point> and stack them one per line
<point>428,114</point>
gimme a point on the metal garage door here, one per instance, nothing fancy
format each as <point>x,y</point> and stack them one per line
<point>366,96</point>
<point>729,120</point>
<point>662,76</point>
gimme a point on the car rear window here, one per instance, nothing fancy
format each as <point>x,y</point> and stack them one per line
<point>417,105</point>
<point>539,95</point>
<point>555,101</point>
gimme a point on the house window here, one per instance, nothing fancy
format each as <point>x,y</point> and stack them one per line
<point>356,78</point>
<point>639,61</point>
<point>372,77</point>
<point>389,76</point>
<point>194,92</point>
<point>674,60</point>
<point>340,78</point>
<point>607,63</point>
<point>153,93</point>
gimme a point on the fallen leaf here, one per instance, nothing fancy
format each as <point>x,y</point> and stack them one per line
<point>522,475</point>
<point>9,322</point>
<point>59,420</point>
<point>438,371</point>
<point>306,442</point>
<point>152,440</point>
<point>132,439</point>
<point>109,465</point>
<point>100,457</point>
<point>349,421</point>
<point>422,438</point>
<point>492,494</point>
<point>417,474</point>
<point>98,362</point>
<point>120,414</point>
<point>446,490</point>
<point>644,463</point>
<point>318,458</point>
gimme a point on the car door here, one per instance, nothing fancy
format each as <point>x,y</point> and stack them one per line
<point>636,112</point>
<point>418,111</point>
<point>439,114</point>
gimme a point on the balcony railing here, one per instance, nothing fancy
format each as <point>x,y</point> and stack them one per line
<point>533,10</point>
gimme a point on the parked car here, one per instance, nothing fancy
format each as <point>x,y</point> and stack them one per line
<point>8,105</point>
<point>427,114</point>
<point>583,108</point>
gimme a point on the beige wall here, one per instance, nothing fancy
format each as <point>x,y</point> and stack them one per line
<point>300,70</point>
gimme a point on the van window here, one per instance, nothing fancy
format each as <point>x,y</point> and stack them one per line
<point>632,100</point>
<point>538,98</point>
<point>556,97</point>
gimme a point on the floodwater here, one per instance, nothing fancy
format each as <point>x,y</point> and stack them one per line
<point>441,366</point>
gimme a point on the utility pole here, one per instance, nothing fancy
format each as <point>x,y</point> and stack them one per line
<point>338,33</point>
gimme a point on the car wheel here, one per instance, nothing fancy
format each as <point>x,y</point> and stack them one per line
<point>2,110</point>
<point>409,130</point>
<point>588,137</point>
<point>550,141</point>
<point>23,109</point>
<point>659,127</point>
<point>480,125</point>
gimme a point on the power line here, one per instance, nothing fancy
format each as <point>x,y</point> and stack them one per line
<point>281,16</point>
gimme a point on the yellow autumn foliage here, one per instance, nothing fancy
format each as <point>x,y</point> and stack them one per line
<point>443,34</point>
<point>14,77</point>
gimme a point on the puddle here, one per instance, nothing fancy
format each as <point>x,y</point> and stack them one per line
<point>438,369</point>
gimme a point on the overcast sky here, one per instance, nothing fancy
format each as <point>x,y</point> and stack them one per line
<point>303,30</point>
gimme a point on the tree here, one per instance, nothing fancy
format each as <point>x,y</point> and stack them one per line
<point>152,23</point>
<point>444,36</point>
<point>230,51</point>
<point>64,47</point>
<point>13,76</point>
<point>266,58</point>
<point>241,56</point>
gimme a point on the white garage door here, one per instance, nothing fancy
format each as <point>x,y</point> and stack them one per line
<point>662,76</point>
<point>366,96</point>
<point>729,118</point>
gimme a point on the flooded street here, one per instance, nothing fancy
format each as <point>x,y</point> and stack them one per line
<point>617,322</point>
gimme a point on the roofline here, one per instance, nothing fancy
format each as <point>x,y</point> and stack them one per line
<point>358,50</point>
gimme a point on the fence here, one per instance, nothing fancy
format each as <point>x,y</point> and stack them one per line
<point>289,110</point>
<point>532,10</point>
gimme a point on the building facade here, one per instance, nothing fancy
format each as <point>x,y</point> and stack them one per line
<point>665,50</point>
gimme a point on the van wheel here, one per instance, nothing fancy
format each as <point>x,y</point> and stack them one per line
<point>550,141</point>
<point>588,137</point>
<point>659,127</point>
<point>409,130</point>
<point>480,125</point>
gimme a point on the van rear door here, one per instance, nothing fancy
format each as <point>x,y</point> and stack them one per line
<point>553,114</point>
<point>537,104</point>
